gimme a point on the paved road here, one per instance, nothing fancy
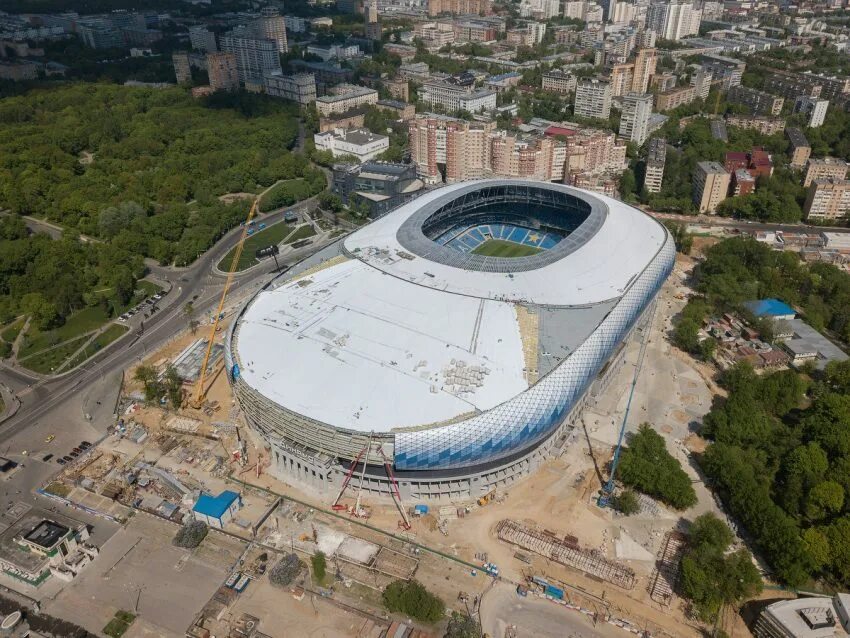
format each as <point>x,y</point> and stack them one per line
<point>195,284</point>
<point>726,222</point>
<point>533,617</point>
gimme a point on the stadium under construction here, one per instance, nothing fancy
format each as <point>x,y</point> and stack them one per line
<point>451,344</point>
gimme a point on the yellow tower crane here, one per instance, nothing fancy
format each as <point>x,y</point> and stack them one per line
<point>200,391</point>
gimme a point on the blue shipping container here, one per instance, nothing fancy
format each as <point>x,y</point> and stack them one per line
<point>420,509</point>
<point>554,592</point>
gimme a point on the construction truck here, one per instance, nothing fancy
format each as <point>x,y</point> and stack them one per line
<point>484,500</point>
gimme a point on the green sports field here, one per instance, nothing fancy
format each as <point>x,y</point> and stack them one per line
<point>501,248</point>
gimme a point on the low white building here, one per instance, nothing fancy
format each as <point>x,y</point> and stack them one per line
<point>359,142</point>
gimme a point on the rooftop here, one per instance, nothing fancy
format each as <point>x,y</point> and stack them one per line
<point>770,308</point>
<point>215,506</point>
<point>46,534</point>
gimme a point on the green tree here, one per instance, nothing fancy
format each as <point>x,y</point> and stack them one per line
<point>411,598</point>
<point>148,377</point>
<point>647,466</point>
<point>824,499</point>
<point>462,626</point>
<point>626,502</point>
<point>319,563</point>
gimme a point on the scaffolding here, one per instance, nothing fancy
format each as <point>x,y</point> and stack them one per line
<point>566,552</point>
<point>667,568</point>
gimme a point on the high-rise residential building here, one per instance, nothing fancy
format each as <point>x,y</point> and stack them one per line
<point>593,98</point>
<point>182,68</point>
<point>634,121</point>
<point>271,26</point>
<point>559,81</point>
<point>449,149</point>
<point>646,62</point>
<point>621,78</point>
<point>759,102</point>
<point>814,107</point>
<point>655,157</point>
<point>825,168</point>
<point>202,39</point>
<point>373,27</point>
<point>711,185</point>
<point>480,7</point>
<point>345,97</point>
<point>828,199</point>
<point>298,87</point>
<point>673,20</point>
<point>701,81</point>
<point>800,148</point>
<point>255,57</point>
<point>221,67</point>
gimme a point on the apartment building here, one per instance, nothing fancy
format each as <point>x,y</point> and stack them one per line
<point>759,102</point>
<point>790,85</point>
<point>655,158</point>
<point>559,81</point>
<point>799,146</point>
<point>621,78</point>
<point>814,107</point>
<point>448,149</point>
<point>345,97</point>
<point>202,39</point>
<point>480,7</point>
<point>742,182</point>
<point>434,35</point>
<point>825,168</point>
<point>673,20</point>
<point>255,57</point>
<point>701,81</point>
<point>646,62</point>
<point>675,97</point>
<point>512,156</point>
<point>474,31</point>
<point>710,186</point>
<point>828,200</point>
<point>453,97</point>
<point>222,70</point>
<point>298,87</point>
<point>726,72</point>
<point>182,68</point>
<point>593,98</point>
<point>634,120</point>
<point>271,26</point>
<point>402,110</point>
<point>399,89</point>
<point>763,124</point>
<point>360,143</point>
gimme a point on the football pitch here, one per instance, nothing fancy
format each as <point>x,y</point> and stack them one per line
<point>501,248</point>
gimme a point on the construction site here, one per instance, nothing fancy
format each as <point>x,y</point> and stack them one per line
<point>545,533</point>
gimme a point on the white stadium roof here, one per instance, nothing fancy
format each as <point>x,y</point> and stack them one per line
<point>383,342</point>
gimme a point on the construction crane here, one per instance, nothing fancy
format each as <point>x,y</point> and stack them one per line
<point>337,506</point>
<point>608,490</point>
<point>200,391</point>
<point>405,522</point>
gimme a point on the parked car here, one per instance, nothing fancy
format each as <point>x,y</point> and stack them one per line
<point>47,457</point>
<point>73,455</point>
<point>61,461</point>
<point>85,444</point>
<point>67,458</point>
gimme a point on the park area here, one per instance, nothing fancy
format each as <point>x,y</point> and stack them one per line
<point>83,334</point>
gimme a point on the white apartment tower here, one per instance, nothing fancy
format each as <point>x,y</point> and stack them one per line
<point>593,98</point>
<point>634,122</point>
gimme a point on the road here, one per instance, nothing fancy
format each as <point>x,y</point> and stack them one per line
<point>727,222</point>
<point>531,617</point>
<point>195,283</point>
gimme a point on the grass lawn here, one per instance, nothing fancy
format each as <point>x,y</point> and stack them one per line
<point>44,362</point>
<point>116,627</point>
<point>102,340</point>
<point>302,233</point>
<point>501,248</point>
<point>10,332</point>
<point>274,234</point>
<point>78,324</point>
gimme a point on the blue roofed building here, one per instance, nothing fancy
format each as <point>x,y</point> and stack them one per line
<point>771,308</point>
<point>217,511</point>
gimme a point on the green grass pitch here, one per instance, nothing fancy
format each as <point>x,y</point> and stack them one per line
<point>501,248</point>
